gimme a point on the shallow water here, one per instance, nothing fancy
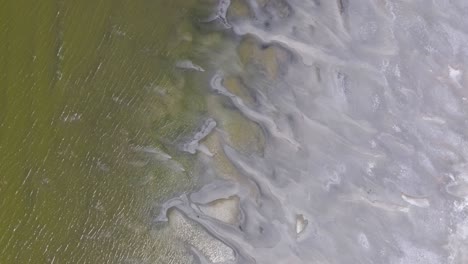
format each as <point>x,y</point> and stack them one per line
<point>91,109</point>
<point>242,131</point>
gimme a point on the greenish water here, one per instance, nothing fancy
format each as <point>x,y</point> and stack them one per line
<point>84,84</point>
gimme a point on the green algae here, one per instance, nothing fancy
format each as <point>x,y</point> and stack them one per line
<point>81,84</point>
<point>239,9</point>
<point>268,60</point>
